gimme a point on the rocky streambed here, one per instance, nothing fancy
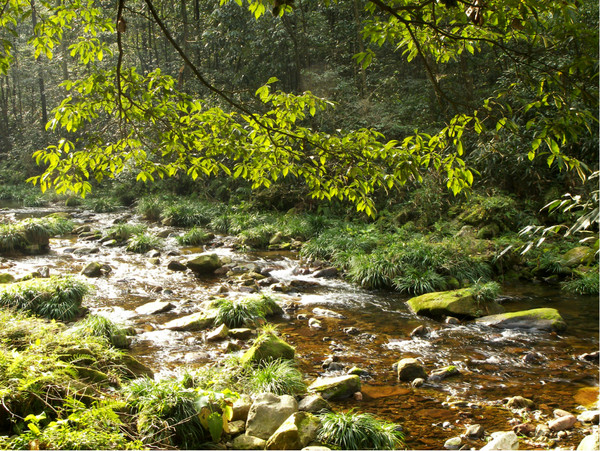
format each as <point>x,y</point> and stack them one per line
<point>474,379</point>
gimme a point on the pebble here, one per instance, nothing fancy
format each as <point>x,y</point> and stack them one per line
<point>474,431</point>
<point>418,382</point>
<point>452,320</point>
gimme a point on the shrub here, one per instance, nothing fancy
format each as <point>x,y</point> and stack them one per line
<point>358,431</point>
<point>143,242</point>
<point>149,208</point>
<point>55,298</point>
<point>279,377</point>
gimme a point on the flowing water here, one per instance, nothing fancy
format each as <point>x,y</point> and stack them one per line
<point>492,362</point>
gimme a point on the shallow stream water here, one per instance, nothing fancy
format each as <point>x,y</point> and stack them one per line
<point>491,361</point>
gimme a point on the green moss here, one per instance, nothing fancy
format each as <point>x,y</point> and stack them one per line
<point>456,302</point>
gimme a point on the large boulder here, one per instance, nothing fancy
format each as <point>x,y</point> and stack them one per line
<point>268,347</point>
<point>313,403</point>
<point>193,322</point>
<point>590,442</point>
<point>336,387</point>
<point>296,432</point>
<point>577,256</point>
<point>267,413</point>
<point>537,319</point>
<point>410,369</point>
<point>459,303</point>
<point>205,264</point>
<point>248,442</point>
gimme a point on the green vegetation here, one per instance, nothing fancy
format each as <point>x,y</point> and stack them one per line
<point>143,242</point>
<point>484,292</point>
<point>249,311</point>
<point>279,377</point>
<point>584,284</point>
<point>195,236</point>
<point>55,298</point>
<point>348,430</point>
<point>123,232</point>
<point>99,326</point>
<point>35,231</point>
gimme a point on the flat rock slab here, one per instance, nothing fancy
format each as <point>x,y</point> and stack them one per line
<point>536,319</point>
<point>154,308</point>
<point>195,321</point>
<point>336,387</point>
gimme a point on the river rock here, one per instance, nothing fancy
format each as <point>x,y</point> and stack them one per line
<point>590,442</point>
<point>419,331</point>
<point>474,431</point>
<point>410,369</point>
<point>268,347</point>
<point>93,269</point>
<point>242,333</point>
<point>502,441</point>
<point>453,443</point>
<point>267,413</point>
<point>518,402</point>
<point>327,313</point>
<point>589,416</point>
<point>336,387</point>
<point>136,368</point>
<point>296,432</point>
<point>527,429</point>
<point>175,265</point>
<point>443,373</point>
<point>588,356</point>
<point>220,333</point>
<point>314,403</point>
<point>86,250</point>
<point>204,264</point>
<point>193,322</point>
<point>314,323</point>
<point>536,319</point>
<point>245,441</point>
<point>459,303</point>
<point>326,272</point>
<point>562,423</point>
<point>241,407</point>
<point>154,308</point>
<point>577,256</point>
<point>418,382</point>
<point>351,331</point>
<point>7,278</point>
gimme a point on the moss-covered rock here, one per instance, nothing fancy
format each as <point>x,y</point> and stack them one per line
<point>193,322</point>
<point>537,319</point>
<point>579,255</point>
<point>205,264</point>
<point>268,347</point>
<point>7,278</point>
<point>296,432</point>
<point>336,387</point>
<point>459,303</point>
<point>410,369</point>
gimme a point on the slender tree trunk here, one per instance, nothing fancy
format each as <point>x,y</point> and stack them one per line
<point>184,71</point>
<point>40,78</point>
<point>361,48</point>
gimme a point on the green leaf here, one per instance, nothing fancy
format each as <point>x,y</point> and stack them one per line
<point>215,426</point>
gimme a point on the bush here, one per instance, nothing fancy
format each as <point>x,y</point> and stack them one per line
<point>279,377</point>
<point>415,281</point>
<point>55,298</point>
<point>16,236</point>
<point>373,271</point>
<point>238,313</point>
<point>149,208</point>
<point>358,431</point>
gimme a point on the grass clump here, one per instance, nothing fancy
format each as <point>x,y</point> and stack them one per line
<point>587,284</point>
<point>123,232</point>
<point>347,430</point>
<point>279,377</point>
<point>102,204</point>
<point>238,313</point>
<point>194,237</point>
<point>99,326</point>
<point>167,413</point>
<point>143,242</point>
<point>415,281</point>
<point>17,236</point>
<point>55,298</point>
<point>485,291</point>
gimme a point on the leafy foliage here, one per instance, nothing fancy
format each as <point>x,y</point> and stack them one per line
<point>587,283</point>
<point>279,377</point>
<point>194,237</point>
<point>143,242</point>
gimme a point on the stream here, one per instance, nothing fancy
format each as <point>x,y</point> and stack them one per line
<point>494,364</point>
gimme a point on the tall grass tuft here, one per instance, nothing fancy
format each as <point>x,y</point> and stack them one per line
<point>416,281</point>
<point>238,313</point>
<point>586,284</point>
<point>347,430</point>
<point>279,377</point>
<point>100,326</point>
<point>143,242</point>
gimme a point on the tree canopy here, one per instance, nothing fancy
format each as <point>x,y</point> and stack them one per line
<point>146,88</point>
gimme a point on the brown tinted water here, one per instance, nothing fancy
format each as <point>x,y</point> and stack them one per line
<point>491,361</point>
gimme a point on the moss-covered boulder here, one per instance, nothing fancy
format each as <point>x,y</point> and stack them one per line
<point>193,322</point>
<point>336,387</point>
<point>268,347</point>
<point>205,264</point>
<point>459,303</point>
<point>580,255</point>
<point>6,278</point>
<point>536,319</point>
<point>410,369</point>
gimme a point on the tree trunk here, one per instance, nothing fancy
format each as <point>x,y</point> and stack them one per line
<point>40,78</point>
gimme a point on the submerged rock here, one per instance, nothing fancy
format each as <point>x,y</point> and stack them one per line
<point>537,319</point>
<point>459,303</point>
<point>519,402</point>
<point>327,313</point>
<point>336,387</point>
<point>443,373</point>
